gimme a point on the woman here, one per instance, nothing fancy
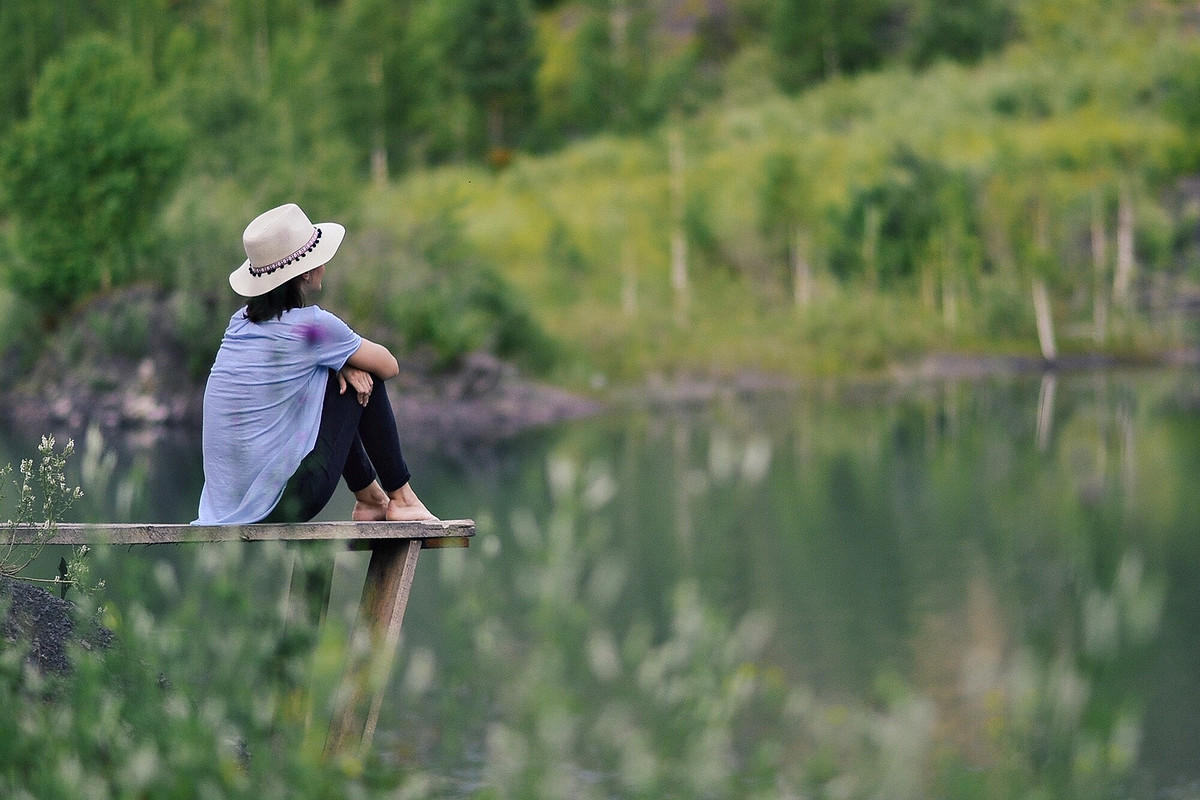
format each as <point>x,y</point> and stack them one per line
<point>280,426</point>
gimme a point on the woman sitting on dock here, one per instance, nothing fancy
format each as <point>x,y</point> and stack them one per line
<point>295,398</point>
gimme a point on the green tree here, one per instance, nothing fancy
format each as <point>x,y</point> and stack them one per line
<point>785,213</point>
<point>85,174</point>
<point>1058,26</point>
<point>491,47</point>
<point>963,30</point>
<point>381,79</point>
<point>1180,91</point>
<point>896,227</point>
<point>32,32</point>
<point>579,81</point>
<point>815,39</point>
<point>606,66</point>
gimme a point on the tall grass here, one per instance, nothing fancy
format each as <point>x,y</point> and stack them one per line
<point>563,261</point>
<point>585,233</point>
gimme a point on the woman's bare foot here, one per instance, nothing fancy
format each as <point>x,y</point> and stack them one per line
<point>366,512</point>
<point>370,504</point>
<point>405,506</point>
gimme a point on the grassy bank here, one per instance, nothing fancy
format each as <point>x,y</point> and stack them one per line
<point>585,235</point>
<point>863,223</point>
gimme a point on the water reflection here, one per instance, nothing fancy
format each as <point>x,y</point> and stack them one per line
<point>963,589</point>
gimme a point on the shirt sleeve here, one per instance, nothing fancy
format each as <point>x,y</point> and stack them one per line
<point>334,341</point>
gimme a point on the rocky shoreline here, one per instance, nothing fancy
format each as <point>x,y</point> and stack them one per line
<point>81,379</point>
<point>123,365</point>
<point>483,399</point>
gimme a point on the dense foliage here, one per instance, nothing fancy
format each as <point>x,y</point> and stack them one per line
<point>958,173</point>
<point>86,171</point>
<point>437,76</point>
<point>174,707</point>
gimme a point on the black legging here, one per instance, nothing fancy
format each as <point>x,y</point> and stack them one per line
<point>355,442</point>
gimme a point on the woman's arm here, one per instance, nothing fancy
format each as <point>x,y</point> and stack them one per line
<point>375,359</point>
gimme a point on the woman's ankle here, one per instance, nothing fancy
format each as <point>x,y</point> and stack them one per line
<point>370,504</point>
<point>404,495</point>
<point>372,494</point>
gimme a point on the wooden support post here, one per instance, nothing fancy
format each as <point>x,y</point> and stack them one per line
<point>381,612</point>
<point>307,590</point>
<point>305,605</point>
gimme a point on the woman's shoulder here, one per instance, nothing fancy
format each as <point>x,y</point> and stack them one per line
<point>304,316</point>
<point>311,319</point>
<point>312,313</point>
<point>321,312</point>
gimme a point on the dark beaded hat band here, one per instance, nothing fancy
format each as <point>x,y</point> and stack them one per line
<point>267,269</point>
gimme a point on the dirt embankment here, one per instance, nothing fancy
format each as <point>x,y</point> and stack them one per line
<point>482,399</point>
<point>81,378</point>
<point>45,625</point>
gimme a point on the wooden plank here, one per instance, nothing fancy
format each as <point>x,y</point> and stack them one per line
<point>445,541</point>
<point>381,612</point>
<point>138,533</point>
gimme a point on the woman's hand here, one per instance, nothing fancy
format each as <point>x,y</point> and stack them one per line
<point>358,379</point>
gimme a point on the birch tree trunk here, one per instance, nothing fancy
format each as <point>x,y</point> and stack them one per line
<point>379,163</point>
<point>629,299</point>
<point>618,27</point>
<point>950,258</point>
<point>802,277</point>
<point>872,221</point>
<point>495,126</point>
<point>1128,451</point>
<point>928,289</point>
<point>684,528</point>
<point>1045,322</point>
<point>1041,296</point>
<point>949,302</point>
<point>1045,417</point>
<point>262,46</point>
<point>679,271</point>
<point>1100,265</point>
<point>1123,275</point>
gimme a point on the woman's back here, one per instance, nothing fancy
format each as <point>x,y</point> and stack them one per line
<point>262,407</point>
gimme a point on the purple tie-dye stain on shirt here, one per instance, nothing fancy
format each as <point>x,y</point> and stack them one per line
<point>313,333</point>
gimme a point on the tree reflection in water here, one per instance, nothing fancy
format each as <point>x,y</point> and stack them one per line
<point>960,589</point>
<point>950,593</point>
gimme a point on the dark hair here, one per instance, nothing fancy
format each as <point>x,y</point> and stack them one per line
<point>272,304</point>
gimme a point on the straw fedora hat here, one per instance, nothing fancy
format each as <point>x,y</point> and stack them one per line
<point>281,244</point>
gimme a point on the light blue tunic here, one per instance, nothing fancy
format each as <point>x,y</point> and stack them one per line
<point>262,408</point>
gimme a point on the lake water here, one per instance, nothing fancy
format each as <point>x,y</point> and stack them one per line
<point>973,588</point>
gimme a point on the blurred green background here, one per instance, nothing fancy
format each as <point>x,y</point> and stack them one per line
<point>611,189</point>
<point>981,589</point>
<point>963,587</point>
